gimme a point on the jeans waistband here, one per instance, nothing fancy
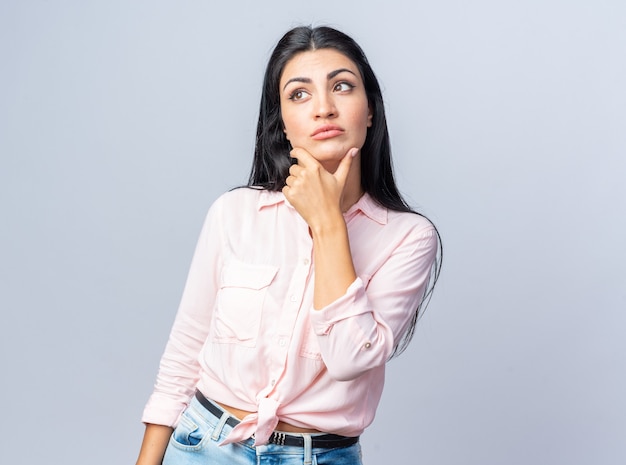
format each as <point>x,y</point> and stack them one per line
<point>323,441</point>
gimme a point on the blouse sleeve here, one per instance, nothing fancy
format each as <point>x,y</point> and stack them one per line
<point>179,367</point>
<point>358,331</point>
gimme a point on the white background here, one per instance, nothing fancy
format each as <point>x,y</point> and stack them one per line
<point>121,121</point>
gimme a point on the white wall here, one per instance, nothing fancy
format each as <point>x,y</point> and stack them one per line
<point>120,122</point>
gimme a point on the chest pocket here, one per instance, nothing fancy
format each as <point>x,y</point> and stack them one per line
<point>237,316</point>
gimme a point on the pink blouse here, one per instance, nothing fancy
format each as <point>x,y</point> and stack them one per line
<point>246,334</point>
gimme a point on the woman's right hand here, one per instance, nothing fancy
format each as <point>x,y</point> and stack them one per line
<point>316,193</point>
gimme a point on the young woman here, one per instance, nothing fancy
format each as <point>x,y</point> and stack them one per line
<point>302,285</point>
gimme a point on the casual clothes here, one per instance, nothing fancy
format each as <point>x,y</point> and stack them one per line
<point>247,335</point>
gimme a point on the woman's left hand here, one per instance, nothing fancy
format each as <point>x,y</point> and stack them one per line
<point>315,192</point>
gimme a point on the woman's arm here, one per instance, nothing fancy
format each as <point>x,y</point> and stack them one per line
<point>179,368</point>
<point>319,197</point>
<point>154,443</point>
<point>357,330</point>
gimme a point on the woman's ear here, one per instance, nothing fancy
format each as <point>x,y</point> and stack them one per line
<point>370,116</point>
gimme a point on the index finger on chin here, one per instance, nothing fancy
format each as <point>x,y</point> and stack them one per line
<point>304,158</point>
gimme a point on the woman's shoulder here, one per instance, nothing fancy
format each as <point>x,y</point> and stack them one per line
<point>244,196</point>
<point>417,220</point>
<point>415,225</point>
<point>393,226</point>
<point>241,202</point>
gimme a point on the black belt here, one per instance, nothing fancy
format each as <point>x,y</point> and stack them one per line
<point>324,441</point>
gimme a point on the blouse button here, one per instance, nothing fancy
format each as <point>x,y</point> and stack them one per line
<point>293,298</point>
<point>306,261</point>
<point>367,345</point>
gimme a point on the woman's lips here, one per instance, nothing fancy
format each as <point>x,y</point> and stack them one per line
<point>326,132</point>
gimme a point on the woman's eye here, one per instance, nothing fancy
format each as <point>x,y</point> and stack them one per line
<point>297,95</point>
<point>343,86</point>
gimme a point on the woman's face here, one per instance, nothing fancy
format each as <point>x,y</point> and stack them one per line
<point>324,105</point>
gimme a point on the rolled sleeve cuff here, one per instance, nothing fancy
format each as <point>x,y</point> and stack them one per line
<point>344,307</point>
<point>163,411</point>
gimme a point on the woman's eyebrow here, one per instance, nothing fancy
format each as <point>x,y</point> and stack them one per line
<point>297,79</point>
<point>329,76</point>
<point>332,74</point>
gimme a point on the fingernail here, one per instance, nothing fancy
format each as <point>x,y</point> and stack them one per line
<point>354,152</point>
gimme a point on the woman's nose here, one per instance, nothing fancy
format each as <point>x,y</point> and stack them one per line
<point>325,107</point>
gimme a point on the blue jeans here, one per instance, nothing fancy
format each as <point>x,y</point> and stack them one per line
<point>196,438</point>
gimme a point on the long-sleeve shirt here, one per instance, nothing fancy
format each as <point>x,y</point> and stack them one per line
<point>246,333</point>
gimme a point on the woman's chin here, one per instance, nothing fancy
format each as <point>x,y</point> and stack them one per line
<point>330,154</point>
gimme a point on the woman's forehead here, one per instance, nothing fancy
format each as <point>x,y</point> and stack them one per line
<point>318,61</point>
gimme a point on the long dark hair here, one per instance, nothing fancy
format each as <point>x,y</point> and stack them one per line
<point>272,160</point>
